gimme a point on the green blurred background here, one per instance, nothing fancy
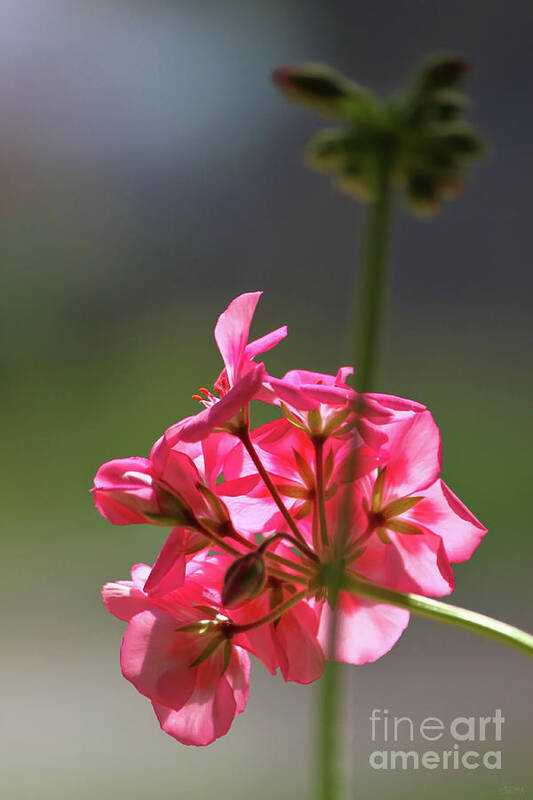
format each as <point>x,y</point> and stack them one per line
<point>149,174</point>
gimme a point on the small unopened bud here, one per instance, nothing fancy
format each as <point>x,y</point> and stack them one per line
<point>443,71</point>
<point>215,508</point>
<point>244,580</point>
<point>423,193</point>
<point>317,86</point>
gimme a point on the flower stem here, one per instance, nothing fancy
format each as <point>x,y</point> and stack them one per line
<point>288,563</point>
<point>244,436</point>
<point>295,543</point>
<point>443,612</point>
<point>320,491</point>
<point>371,312</point>
<point>373,289</point>
<point>273,615</point>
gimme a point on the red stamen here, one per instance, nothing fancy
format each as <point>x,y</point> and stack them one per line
<point>205,391</point>
<point>197,397</point>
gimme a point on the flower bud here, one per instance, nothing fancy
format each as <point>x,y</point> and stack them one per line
<point>442,71</point>
<point>126,492</point>
<point>315,85</point>
<point>244,579</point>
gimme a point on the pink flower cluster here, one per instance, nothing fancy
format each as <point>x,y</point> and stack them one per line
<point>256,525</point>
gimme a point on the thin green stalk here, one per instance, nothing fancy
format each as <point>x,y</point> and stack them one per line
<point>272,615</point>
<point>288,563</point>
<point>371,312</point>
<point>373,287</point>
<point>244,436</point>
<point>443,612</point>
<point>304,550</point>
<point>320,491</point>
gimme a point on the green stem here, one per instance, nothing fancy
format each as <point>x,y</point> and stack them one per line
<point>288,563</point>
<point>320,491</point>
<point>371,312</point>
<point>273,615</point>
<point>443,612</point>
<point>244,436</point>
<point>373,288</point>
<point>328,733</point>
<point>295,543</point>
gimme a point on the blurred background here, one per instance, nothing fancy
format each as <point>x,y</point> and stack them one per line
<point>149,173</point>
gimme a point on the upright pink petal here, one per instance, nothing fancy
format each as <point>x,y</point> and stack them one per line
<point>232,330</point>
<point>266,342</point>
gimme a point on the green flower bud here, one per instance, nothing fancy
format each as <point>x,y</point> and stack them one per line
<point>417,136</point>
<point>442,71</point>
<point>319,87</point>
<point>244,580</point>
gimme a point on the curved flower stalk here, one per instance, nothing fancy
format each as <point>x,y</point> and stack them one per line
<point>256,518</point>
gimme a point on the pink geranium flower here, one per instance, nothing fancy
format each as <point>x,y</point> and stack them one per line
<point>325,405</point>
<point>412,526</point>
<point>167,488</point>
<point>177,651</point>
<point>240,380</point>
<point>288,455</point>
<point>270,528</point>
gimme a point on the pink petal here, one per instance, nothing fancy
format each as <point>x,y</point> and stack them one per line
<point>415,456</point>
<point>207,716</point>
<point>123,473</point>
<point>180,473</point>
<point>124,599</point>
<point>232,330</point>
<point>139,574</point>
<point>168,572</point>
<point>410,563</point>
<point>215,449</point>
<point>154,658</point>
<point>238,676</point>
<point>444,514</point>
<point>173,434</point>
<point>367,629</point>
<point>301,657</point>
<point>123,490</point>
<point>225,409</point>
<point>266,342</point>
<point>212,707</point>
<point>116,512</point>
<point>342,374</point>
<point>330,395</point>
<point>305,377</point>
<point>258,641</point>
<point>395,404</point>
<point>292,394</point>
